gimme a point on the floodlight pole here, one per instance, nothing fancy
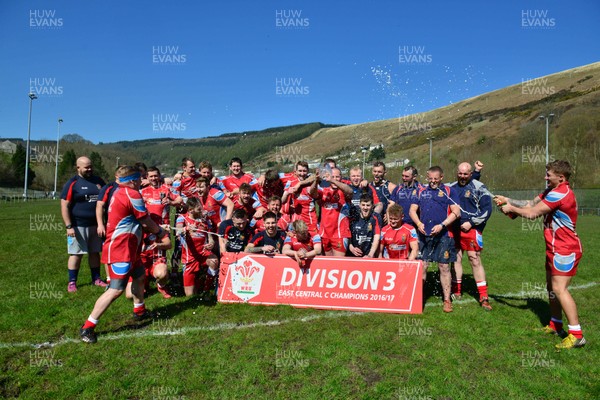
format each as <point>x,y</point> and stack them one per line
<point>56,161</point>
<point>547,118</point>
<point>32,97</point>
<point>364,151</point>
<point>430,148</point>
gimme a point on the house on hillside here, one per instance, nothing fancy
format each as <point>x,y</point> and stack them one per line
<point>8,147</point>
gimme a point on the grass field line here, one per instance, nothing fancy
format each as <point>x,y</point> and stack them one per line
<point>164,331</point>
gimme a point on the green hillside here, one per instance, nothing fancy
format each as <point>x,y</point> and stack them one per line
<point>502,128</point>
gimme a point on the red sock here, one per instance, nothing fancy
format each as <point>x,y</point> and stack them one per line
<point>139,309</point>
<point>556,324</point>
<point>457,286</point>
<point>575,330</point>
<point>90,323</point>
<point>482,289</point>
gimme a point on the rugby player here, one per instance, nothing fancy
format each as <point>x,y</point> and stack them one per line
<point>436,209</point>
<point>563,248</point>
<point>197,244</point>
<point>405,194</point>
<point>476,210</point>
<point>274,206</point>
<point>234,180</point>
<point>382,186</point>
<point>301,245</point>
<point>235,233</point>
<point>303,191</point>
<point>268,241</point>
<point>78,210</point>
<point>334,228</point>
<point>366,230</point>
<point>399,241</point>
<point>216,205</point>
<point>127,217</point>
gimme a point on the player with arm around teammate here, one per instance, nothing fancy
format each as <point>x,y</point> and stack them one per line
<point>335,222</point>
<point>197,243</point>
<point>382,187</point>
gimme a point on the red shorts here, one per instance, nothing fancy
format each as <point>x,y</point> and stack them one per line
<point>150,263</point>
<point>122,272</point>
<point>337,244</point>
<point>193,268</point>
<point>562,264</point>
<point>469,241</point>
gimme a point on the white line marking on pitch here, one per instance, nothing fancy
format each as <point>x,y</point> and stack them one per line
<point>233,326</point>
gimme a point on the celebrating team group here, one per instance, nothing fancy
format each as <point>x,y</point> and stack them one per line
<point>301,215</point>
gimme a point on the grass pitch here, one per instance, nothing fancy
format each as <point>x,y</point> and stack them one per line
<point>199,350</point>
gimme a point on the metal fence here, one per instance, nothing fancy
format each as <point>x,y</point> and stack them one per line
<point>12,195</point>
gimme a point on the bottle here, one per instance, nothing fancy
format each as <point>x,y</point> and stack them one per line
<point>509,214</point>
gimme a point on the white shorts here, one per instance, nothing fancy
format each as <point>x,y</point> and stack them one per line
<point>86,241</point>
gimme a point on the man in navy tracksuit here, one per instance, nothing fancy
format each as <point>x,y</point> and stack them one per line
<point>406,193</point>
<point>434,211</point>
<point>476,209</point>
<point>382,186</point>
<point>365,228</point>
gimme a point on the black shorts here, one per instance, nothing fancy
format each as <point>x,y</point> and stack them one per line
<point>440,249</point>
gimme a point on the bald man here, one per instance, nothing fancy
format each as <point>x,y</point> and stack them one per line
<point>78,209</point>
<point>475,210</point>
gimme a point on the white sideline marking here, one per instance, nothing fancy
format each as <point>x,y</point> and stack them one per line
<point>233,326</point>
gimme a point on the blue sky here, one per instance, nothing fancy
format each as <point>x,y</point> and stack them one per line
<point>116,70</point>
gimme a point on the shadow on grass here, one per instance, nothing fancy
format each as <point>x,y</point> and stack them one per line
<point>165,312</point>
<point>536,305</point>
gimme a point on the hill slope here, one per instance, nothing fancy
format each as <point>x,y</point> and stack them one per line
<point>501,128</point>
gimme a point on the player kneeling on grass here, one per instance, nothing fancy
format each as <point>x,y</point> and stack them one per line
<point>398,241</point>
<point>121,251</point>
<point>235,233</point>
<point>301,245</point>
<point>563,248</point>
<point>197,243</point>
<point>269,241</point>
<point>366,229</point>
<point>155,264</point>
